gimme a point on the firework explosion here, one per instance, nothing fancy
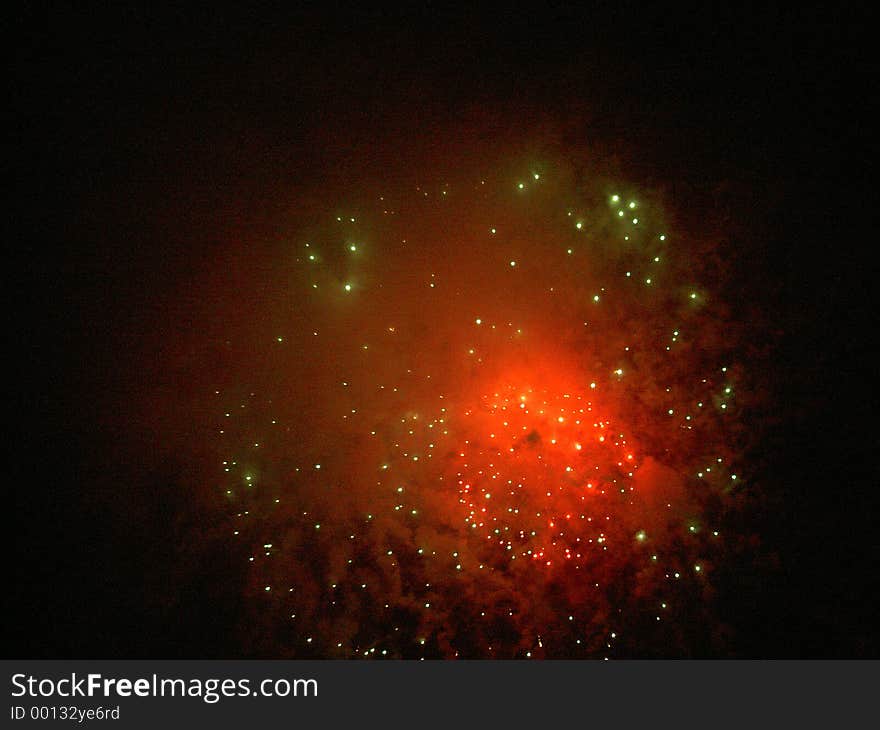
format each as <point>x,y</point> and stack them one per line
<point>493,415</point>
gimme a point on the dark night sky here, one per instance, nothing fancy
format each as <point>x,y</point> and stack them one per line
<point>142,140</point>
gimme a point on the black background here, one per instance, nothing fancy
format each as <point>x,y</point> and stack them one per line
<point>115,113</point>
